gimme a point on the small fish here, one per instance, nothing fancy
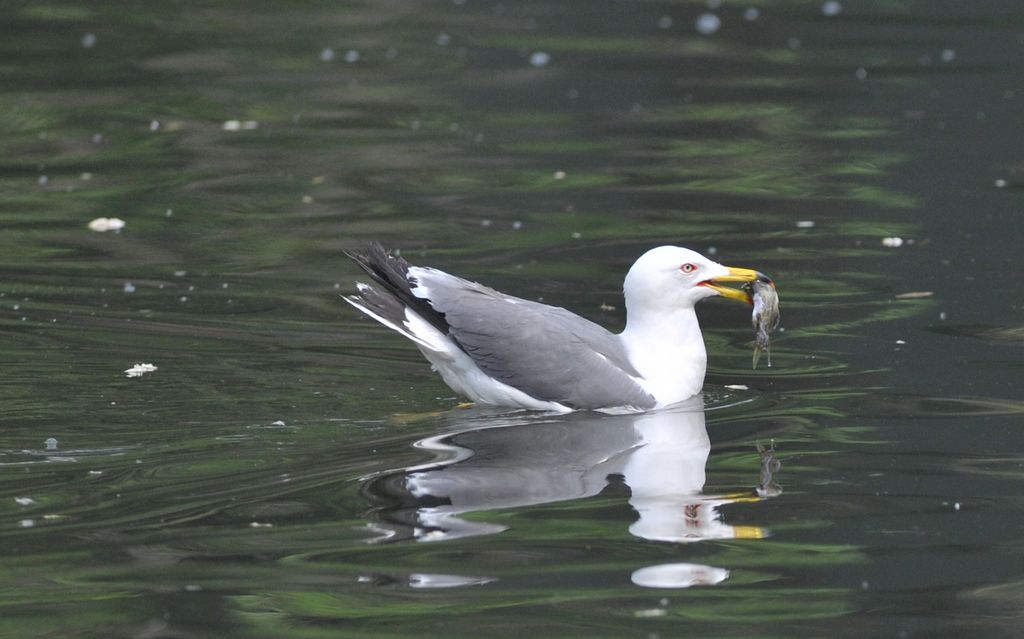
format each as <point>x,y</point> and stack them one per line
<point>765,317</point>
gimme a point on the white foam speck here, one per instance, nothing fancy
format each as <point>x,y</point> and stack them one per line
<point>138,370</point>
<point>104,224</point>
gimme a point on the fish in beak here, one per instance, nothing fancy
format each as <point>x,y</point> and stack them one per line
<point>735,274</point>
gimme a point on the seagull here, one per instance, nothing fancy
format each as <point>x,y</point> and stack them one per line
<point>493,348</point>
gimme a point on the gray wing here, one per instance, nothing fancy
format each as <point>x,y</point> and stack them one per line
<point>544,351</point>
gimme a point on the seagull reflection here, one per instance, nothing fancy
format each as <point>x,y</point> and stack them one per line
<point>524,459</point>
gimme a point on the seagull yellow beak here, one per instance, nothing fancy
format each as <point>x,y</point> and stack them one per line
<point>736,275</point>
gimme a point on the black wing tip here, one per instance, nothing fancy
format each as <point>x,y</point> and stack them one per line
<point>391,273</point>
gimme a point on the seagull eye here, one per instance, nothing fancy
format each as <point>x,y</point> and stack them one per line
<point>688,268</point>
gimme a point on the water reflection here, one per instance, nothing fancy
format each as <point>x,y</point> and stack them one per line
<point>523,460</point>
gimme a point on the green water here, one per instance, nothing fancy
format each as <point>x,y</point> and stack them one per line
<point>291,469</point>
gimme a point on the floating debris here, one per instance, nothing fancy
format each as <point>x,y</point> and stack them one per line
<point>1000,183</point>
<point>665,22</point>
<point>327,54</point>
<point>240,125</point>
<point>947,55</point>
<point>751,14</point>
<point>129,287</point>
<point>540,59</point>
<point>443,39</point>
<point>138,370</point>
<point>650,613</point>
<point>559,175</point>
<point>831,8</point>
<point>707,23</point>
<point>805,224</point>
<point>737,387</point>
<point>861,73</point>
<point>892,242</point>
<point>914,295</point>
<point>24,501</point>
<point>104,224</point>
<point>89,40</point>
<point>51,443</point>
<point>352,56</point>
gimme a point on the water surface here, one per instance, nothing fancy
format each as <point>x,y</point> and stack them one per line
<point>293,470</point>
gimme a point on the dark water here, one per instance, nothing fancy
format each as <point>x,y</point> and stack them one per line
<point>292,470</point>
